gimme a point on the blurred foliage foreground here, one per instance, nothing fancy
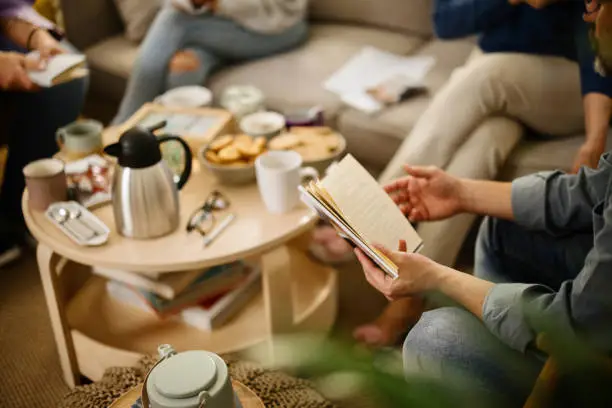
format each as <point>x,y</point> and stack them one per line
<point>577,376</point>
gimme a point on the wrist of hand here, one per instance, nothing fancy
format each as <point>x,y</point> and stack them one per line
<point>440,275</point>
<point>36,38</point>
<point>597,142</point>
<point>465,196</point>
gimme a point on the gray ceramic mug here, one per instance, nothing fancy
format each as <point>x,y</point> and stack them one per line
<point>80,139</point>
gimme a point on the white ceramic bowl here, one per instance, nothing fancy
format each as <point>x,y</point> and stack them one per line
<point>266,124</point>
<point>186,97</point>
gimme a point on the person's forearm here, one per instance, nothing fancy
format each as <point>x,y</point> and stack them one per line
<point>465,289</point>
<point>490,198</point>
<point>17,30</point>
<point>597,110</point>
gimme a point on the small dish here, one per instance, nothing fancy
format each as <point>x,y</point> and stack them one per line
<point>267,124</point>
<point>186,97</point>
<point>78,223</point>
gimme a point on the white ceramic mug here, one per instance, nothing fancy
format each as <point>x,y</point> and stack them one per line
<point>279,173</point>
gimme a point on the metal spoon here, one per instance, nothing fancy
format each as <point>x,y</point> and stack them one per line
<point>75,214</point>
<point>62,216</point>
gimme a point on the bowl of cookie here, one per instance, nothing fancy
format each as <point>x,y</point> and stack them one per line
<point>319,146</point>
<point>231,158</point>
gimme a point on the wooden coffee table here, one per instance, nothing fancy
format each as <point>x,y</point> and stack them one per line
<point>93,331</point>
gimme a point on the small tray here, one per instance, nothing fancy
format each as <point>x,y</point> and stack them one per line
<point>85,230</point>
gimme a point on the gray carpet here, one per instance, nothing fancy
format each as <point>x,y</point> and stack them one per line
<point>30,374</point>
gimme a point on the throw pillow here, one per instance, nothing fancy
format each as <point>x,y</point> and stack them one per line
<point>137,16</point>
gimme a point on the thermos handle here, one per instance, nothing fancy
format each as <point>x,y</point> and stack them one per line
<point>60,137</point>
<point>188,158</point>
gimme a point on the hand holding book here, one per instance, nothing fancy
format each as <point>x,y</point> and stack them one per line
<point>417,274</point>
<point>352,200</point>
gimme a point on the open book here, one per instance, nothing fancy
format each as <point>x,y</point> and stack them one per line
<point>60,68</point>
<point>353,201</point>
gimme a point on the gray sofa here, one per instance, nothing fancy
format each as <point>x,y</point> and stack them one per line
<point>339,29</point>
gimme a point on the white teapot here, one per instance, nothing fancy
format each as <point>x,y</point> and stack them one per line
<point>191,379</point>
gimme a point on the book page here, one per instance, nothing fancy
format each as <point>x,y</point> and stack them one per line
<point>367,207</point>
<point>56,66</point>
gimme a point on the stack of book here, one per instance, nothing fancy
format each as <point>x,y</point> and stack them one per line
<point>205,299</point>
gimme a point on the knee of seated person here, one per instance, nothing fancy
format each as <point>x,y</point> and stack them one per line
<point>435,336</point>
<point>491,232</point>
<point>184,61</point>
<point>489,72</point>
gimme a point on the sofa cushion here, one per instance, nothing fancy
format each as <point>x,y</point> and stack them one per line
<point>137,16</point>
<point>536,154</point>
<point>110,62</point>
<point>295,79</point>
<point>375,138</point>
<point>412,16</point>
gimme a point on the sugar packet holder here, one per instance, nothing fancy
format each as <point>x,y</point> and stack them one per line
<point>85,229</point>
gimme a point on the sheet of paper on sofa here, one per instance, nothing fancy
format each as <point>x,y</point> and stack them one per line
<point>372,66</point>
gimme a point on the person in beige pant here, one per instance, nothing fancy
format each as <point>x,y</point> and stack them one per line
<point>527,78</point>
<point>478,117</point>
<point>470,129</point>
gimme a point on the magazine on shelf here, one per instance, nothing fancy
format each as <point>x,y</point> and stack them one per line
<point>172,284</point>
<point>207,314</point>
<point>362,212</point>
<point>217,280</point>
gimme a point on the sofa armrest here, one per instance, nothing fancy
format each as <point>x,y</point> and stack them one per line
<point>88,22</point>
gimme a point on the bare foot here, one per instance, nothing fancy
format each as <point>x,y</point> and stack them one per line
<point>328,247</point>
<point>394,321</point>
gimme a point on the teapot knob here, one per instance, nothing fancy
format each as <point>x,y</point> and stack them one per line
<point>165,350</point>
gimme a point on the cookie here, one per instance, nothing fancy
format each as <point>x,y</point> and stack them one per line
<point>312,130</point>
<point>229,154</point>
<point>243,139</point>
<point>332,142</point>
<point>212,157</point>
<point>312,152</point>
<point>284,142</point>
<point>248,151</point>
<point>260,142</point>
<point>221,142</point>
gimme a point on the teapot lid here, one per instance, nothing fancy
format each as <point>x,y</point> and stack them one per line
<point>185,375</point>
<point>137,148</point>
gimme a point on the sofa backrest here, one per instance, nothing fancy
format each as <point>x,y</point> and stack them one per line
<point>90,21</point>
<point>411,16</point>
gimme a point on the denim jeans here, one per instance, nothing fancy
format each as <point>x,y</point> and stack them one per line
<point>216,41</point>
<point>454,344</point>
<point>33,118</point>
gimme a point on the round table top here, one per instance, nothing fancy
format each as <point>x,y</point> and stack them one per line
<point>254,231</point>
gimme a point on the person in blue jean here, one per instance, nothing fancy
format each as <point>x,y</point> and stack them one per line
<point>184,47</point>
<point>543,255</point>
<point>30,115</point>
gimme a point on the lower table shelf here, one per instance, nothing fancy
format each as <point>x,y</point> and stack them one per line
<point>109,333</point>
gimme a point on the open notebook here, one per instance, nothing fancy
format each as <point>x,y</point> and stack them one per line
<point>60,68</point>
<point>353,201</point>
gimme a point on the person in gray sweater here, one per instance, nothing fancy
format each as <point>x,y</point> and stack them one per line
<point>189,39</point>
